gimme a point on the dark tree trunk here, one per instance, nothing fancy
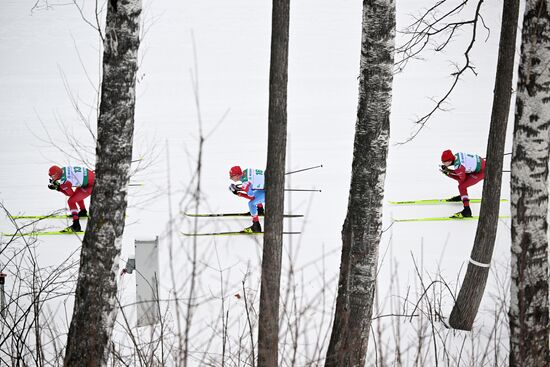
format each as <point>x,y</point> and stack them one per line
<point>94,309</point>
<point>473,287</point>
<point>529,326</point>
<point>363,225</point>
<point>268,328</point>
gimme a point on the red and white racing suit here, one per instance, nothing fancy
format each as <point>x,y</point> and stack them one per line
<point>467,169</point>
<point>77,183</point>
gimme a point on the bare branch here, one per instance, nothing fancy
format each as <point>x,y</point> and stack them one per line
<point>421,32</point>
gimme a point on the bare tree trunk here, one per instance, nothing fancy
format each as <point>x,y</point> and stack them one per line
<point>94,310</point>
<point>363,225</point>
<point>473,287</point>
<point>268,328</point>
<point>528,313</point>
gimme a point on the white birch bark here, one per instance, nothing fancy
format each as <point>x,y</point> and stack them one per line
<point>529,193</point>
<point>363,225</point>
<point>95,309</point>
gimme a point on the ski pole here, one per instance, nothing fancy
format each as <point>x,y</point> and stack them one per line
<point>303,169</point>
<point>309,190</point>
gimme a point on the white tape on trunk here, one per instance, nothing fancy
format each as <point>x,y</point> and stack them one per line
<point>482,265</point>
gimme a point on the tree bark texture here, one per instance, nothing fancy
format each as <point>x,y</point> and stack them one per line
<point>362,227</point>
<point>94,311</point>
<point>528,312</point>
<point>268,328</point>
<point>472,289</point>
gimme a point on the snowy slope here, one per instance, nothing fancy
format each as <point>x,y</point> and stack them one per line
<point>48,52</point>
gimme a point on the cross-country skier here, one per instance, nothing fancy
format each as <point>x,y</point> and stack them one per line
<point>251,187</point>
<point>467,169</point>
<point>77,183</point>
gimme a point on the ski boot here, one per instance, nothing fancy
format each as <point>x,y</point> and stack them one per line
<point>465,213</point>
<point>254,228</point>
<point>261,211</point>
<point>454,199</point>
<point>83,213</point>
<point>75,227</point>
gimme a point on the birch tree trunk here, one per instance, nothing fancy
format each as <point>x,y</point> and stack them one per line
<point>529,325</point>
<point>473,286</point>
<point>363,224</point>
<point>94,309</point>
<point>268,328</point>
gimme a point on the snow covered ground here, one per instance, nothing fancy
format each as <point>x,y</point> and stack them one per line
<point>50,64</point>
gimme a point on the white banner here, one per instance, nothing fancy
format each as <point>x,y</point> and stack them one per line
<point>147,275</point>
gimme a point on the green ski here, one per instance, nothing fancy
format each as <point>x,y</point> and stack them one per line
<point>230,233</point>
<point>44,217</point>
<point>209,215</point>
<point>439,219</point>
<point>40,233</point>
<point>435,202</point>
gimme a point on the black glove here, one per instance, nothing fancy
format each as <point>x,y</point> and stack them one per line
<point>445,170</point>
<point>234,188</point>
<point>53,185</point>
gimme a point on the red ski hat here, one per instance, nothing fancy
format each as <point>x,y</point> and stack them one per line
<point>235,171</point>
<point>447,155</point>
<point>55,172</point>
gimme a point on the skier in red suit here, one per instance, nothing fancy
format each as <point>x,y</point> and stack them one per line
<point>249,184</point>
<point>467,169</point>
<point>77,183</point>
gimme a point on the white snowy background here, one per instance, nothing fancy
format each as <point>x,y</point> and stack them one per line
<point>51,60</point>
